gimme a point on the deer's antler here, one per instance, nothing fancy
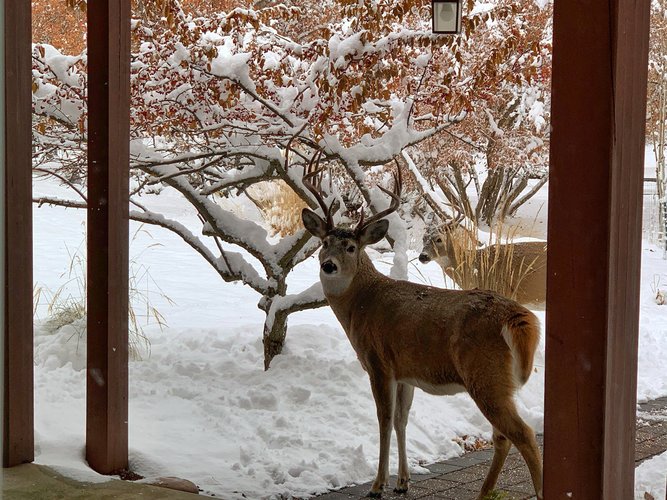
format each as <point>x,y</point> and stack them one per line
<point>310,172</point>
<point>393,206</point>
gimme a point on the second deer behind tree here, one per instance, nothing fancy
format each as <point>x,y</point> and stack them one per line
<point>515,270</point>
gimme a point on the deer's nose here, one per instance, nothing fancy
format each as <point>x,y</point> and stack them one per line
<point>329,267</point>
<point>423,258</point>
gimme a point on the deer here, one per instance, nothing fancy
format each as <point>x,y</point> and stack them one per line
<point>409,335</point>
<point>524,280</point>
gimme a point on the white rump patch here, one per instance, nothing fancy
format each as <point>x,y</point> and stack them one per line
<point>516,362</point>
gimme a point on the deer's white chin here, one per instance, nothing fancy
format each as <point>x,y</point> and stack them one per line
<point>333,284</point>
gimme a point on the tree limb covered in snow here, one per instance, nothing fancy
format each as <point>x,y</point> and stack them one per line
<point>229,265</point>
<point>310,298</point>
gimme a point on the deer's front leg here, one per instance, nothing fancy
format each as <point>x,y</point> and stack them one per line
<point>384,393</point>
<point>404,394</point>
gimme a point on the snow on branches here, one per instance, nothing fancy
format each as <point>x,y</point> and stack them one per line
<point>217,101</point>
<point>503,144</point>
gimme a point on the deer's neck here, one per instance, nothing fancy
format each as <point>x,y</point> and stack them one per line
<point>363,283</point>
<point>449,259</point>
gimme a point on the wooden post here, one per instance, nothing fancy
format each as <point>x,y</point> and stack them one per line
<point>595,197</point>
<point>18,418</point>
<point>107,236</point>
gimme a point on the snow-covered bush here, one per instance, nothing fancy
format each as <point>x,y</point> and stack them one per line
<point>484,165</point>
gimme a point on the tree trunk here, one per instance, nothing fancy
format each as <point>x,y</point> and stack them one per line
<point>488,199</point>
<point>274,337</point>
<point>659,151</point>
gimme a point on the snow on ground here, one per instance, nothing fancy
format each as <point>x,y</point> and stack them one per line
<point>652,377</point>
<point>650,478</point>
<point>201,405</point>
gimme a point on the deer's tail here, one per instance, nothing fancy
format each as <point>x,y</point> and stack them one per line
<point>522,334</point>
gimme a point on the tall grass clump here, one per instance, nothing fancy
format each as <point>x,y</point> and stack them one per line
<point>66,305</point>
<point>496,267</point>
<point>279,206</point>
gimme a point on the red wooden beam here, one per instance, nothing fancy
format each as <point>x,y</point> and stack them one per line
<point>595,196</point>
<point>18,434</point>
<point>107,236</point>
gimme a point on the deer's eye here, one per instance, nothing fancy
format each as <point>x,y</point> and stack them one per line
<point>351,249</point>
<point>439,240</point>
<point>325,244</point>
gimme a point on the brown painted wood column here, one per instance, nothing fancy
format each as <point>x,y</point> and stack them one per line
<point>108,177</point>
<point>18,423</point>
<point>597,156</point>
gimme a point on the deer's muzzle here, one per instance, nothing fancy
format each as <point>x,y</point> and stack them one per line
<point>328,267</point>
<point>424,258</point>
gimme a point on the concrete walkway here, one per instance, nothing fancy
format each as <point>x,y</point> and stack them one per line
<point>461,478</point>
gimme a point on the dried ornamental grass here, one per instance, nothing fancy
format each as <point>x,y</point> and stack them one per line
<point>279,205</point>
<point>496,267</point>
<point>67,304</point>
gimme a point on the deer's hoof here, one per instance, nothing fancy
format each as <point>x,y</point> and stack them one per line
<point>374,494</point>
<point>402,485</point>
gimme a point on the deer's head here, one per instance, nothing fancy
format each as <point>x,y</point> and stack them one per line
<point>342,250</point>
<point>439,242</point>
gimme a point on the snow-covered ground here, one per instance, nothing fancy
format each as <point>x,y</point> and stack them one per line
<point>203,408</point>
<point>650,478</point>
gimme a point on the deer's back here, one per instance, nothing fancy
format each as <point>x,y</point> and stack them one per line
<point>529,268</point>
<point>416,331</point>
<point>533,286</point>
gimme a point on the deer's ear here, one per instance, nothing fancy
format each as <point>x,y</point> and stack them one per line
<point>313,223</point>
<point>373,232</point>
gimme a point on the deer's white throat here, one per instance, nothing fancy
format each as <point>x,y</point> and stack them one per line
<point>335,284</point>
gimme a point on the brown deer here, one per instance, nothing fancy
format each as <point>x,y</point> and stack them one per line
<point>515,270</point>
<point>409,335</point>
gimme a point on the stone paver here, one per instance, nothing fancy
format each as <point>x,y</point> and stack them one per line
<point>461,478</point>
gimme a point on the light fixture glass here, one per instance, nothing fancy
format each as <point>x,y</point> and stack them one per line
<point>446,16</point>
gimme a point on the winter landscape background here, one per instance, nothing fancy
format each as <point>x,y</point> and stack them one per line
<point>231,100</point>
<point>203,408</point>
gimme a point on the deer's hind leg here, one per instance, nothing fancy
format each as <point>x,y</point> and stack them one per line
<point>499,408</point>
<point>404,395</point>
<point>501,447</point>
